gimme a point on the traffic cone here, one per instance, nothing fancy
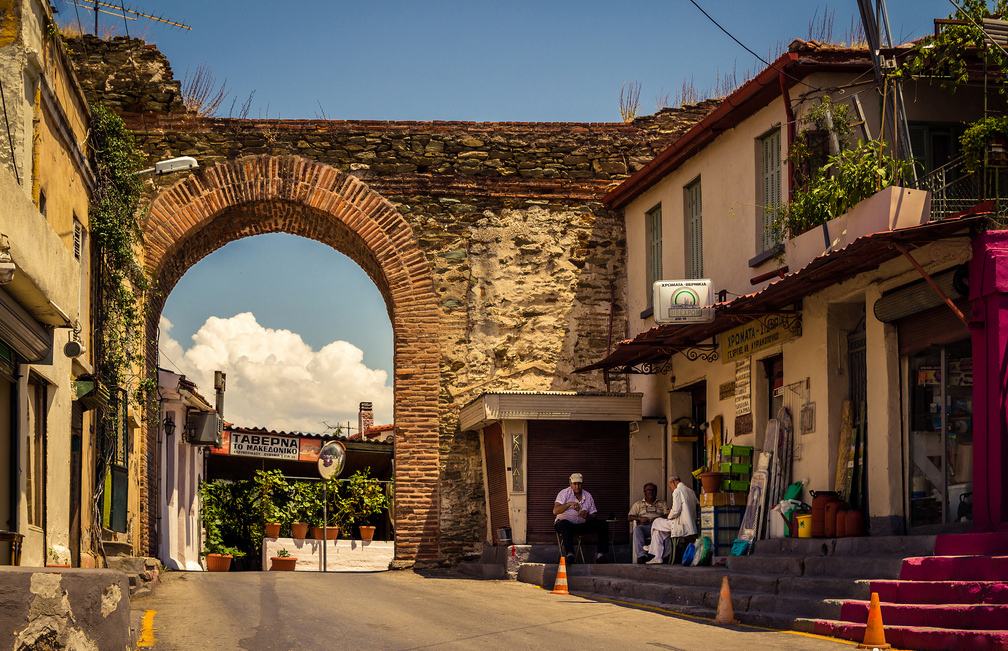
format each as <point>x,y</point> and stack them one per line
<point>874,635</point>
<point>725,615</point>
<point>560,587</point>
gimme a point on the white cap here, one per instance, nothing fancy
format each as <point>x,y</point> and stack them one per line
<point>576,477</point>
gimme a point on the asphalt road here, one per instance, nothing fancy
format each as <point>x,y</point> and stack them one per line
<point>400,611</point>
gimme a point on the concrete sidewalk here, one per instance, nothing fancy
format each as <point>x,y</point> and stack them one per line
<point>64,608</point>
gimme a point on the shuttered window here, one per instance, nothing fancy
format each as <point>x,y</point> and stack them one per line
<point>653,233</point>
<point>771,146</point>
<point>598,450</point>
<point>496,479</point>
<point>937,326</point>
<point>694,231</point>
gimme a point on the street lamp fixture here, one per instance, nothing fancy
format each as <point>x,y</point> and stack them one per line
<point>171,165</point>
<point>169,425</point>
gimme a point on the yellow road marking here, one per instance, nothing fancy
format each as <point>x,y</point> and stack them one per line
<point>147,629</point>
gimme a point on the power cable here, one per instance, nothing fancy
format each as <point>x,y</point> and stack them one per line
<point>10,138</point>
<point>743,45</point>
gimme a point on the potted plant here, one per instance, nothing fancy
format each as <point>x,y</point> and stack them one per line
<point>361,496</point>
<point>283,562</point>
<point>219,557</point>
<point>303,506</point>
<point>59,559</point>
<point>216,511</point>
<point>272,493</point>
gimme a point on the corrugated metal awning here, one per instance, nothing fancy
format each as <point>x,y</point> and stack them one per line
<point>650,351</point>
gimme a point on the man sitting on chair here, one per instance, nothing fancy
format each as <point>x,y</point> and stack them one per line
<point>679,523</point>
<point>644,513</point>
<point>575,514</point>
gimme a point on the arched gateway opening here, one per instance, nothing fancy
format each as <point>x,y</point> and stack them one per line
<point>269,194</point>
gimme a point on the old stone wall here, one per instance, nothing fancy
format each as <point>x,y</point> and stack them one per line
<point>527,264</point>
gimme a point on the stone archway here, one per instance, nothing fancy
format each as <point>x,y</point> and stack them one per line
<point>268,194</point>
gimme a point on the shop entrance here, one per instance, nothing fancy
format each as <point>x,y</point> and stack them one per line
<point>940,477</point>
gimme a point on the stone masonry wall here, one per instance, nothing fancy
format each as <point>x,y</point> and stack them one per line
<point>528,264</point>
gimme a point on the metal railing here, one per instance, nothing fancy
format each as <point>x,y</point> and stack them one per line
<point>954,190</point>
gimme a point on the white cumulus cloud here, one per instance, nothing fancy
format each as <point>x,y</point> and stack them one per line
<point>274,379</point>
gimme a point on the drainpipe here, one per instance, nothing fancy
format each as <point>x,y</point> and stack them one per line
<point>791,126</point>
<point>36,136</point>
<point>612,308</point>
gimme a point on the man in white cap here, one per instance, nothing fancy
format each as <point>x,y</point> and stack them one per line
<point>679,523</point>
<point>575,514</point>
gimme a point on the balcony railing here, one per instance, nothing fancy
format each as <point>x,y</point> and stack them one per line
<point>954,190</point>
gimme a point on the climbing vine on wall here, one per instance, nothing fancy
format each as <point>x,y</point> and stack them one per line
<point>120,281</point>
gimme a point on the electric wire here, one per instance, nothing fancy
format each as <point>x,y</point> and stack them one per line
<point>743,45</point>
<point>10,138</point>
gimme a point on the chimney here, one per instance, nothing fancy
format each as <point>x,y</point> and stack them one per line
<point>365,418</point>
<point>219,380</point>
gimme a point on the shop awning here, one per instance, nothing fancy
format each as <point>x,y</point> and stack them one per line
<point>651,351</point>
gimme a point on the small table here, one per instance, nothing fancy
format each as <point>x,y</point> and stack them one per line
<point>15,539</point>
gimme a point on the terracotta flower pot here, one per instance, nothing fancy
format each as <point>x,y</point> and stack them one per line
<point>366,532</point>
<point>711,481</point>
<point>299,530</point>
<point>218,562</point>
<point>331,532</point>
<point>282,564</point>
<point>272,529</point>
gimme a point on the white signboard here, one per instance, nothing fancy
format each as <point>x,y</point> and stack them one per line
<point>265,445</point>
<point>743,376</point>
<point>683,301</point>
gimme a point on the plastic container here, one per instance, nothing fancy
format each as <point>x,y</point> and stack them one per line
<point>854,523</point>
<point>805,526</point>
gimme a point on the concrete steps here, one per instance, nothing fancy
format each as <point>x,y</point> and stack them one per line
<point>143,572</point>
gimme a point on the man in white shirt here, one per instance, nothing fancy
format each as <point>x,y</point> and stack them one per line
<point>575,514</point>
<point>679,523</point>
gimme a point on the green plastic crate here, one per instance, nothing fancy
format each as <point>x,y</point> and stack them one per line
<point>736,468</point>
<point>736,450</point>
<point>735,485</point>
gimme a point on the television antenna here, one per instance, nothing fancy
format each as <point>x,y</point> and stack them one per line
<point>121,11</point>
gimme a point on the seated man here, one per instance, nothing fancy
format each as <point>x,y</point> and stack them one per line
<point>644,513</point>
<point>679,523</point>
<point>575,514</point>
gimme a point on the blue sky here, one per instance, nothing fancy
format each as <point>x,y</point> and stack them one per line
<point>437,60</point>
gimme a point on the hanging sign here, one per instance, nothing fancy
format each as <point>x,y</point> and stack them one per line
<point>683,301</point>
<point>752,337</point>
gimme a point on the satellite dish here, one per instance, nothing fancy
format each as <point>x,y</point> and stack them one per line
<point>331,459</point>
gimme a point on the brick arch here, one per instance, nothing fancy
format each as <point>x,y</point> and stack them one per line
<point>268,194</point>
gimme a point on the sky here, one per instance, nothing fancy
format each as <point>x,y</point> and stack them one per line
<point>301,331</point>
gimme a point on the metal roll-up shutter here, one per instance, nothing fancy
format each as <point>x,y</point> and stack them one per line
<point>598,450</point>
<point>935,327</point>
<point>496,479</point>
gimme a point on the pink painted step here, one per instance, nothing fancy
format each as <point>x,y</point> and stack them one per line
<point>957,616</point>
<point>990,543</point>
<point>941,592</point>
<point>955,568</point>
<point>919,637</point>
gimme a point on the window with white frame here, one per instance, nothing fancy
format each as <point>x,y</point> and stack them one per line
<point>771,186</point>
<point>694,231</point>
<point>653,235</point>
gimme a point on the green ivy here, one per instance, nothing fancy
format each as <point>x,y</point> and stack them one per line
<point>946,55</point>
<point>120,278</point>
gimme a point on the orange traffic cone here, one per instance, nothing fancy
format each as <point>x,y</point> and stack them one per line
<point>560,587</point>
<point>725,615</point>
<point>874,635</point>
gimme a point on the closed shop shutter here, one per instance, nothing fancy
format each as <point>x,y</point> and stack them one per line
<point>598,450</point>
<point>937,326</point>
<point>496,479</point>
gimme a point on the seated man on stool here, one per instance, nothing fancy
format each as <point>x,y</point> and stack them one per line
<point>679,523</point>
<point>575,514</point>
<point>644,513</point>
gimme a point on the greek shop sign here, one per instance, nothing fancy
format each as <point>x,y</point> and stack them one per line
<point>265,445</point>
<point>752,337</point>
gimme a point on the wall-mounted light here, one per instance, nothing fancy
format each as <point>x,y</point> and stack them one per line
<point>7,266</point>
<point>169,425</point>
<point>172,165</point>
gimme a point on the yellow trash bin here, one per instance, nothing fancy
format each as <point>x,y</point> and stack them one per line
<point>805,526</point>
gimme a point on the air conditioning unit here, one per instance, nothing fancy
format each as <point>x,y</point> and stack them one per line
<point>683,301</point>
<point>204,428</point>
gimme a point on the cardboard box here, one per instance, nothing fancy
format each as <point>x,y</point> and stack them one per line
<point>723,499</point>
